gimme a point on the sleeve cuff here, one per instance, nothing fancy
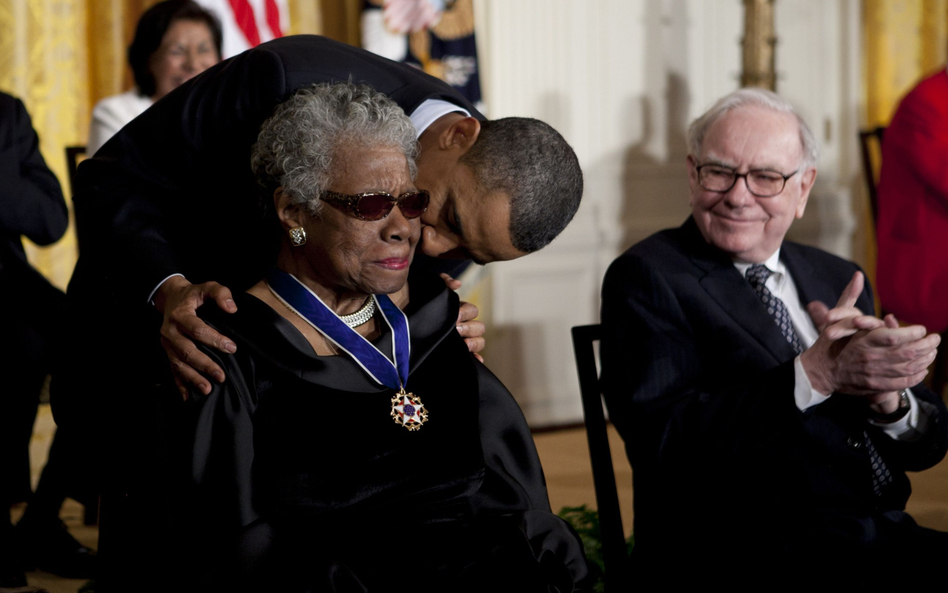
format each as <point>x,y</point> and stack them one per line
<point>151,297</point>
<point>803,393</point>
<point>913,425</point>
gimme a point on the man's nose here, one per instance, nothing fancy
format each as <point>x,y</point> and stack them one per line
<point>739,195</point>
<point>435,243</point>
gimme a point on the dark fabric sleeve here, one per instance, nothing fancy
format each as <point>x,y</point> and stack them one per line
<point>31,201</point>
<point>221,444</point>
<point>514,485</point>
<point>930,448</point>
<point>660,392</point>
<point>223,537</point>
<point>514,479</point>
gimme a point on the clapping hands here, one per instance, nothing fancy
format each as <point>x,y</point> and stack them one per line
<point>862,355</point>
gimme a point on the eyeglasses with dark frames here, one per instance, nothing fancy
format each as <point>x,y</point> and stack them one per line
<point>763,183</point>
<point>376,205</point>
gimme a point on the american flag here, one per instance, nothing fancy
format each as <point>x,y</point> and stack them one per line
<point>248,23</point>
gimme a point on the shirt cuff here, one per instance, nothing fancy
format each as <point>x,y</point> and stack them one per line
<point>151,297</point>
<point>803,392</point>
<point>913,425</point>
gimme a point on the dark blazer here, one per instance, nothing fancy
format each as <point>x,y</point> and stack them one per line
<point>699,382</point>
<point>31,201</point>
<point>31,204</point>
<point>173,191</point>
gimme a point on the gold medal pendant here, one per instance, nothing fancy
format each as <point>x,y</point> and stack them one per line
<point>408,411</point>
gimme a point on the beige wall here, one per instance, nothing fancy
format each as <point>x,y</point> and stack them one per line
<point>621,79</point>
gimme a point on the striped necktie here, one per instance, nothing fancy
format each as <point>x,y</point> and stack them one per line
<point>757,275</point>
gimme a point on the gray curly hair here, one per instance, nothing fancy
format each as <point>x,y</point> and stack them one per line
<point>298,144</point>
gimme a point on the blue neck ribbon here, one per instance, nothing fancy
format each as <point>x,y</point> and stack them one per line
<point>304,302</point>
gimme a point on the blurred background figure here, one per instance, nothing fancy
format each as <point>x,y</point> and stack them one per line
<point>31,311</point>
<point>912,229</point>
<point>436,36</point>
<point>174,41</point>
<point>248,23</point>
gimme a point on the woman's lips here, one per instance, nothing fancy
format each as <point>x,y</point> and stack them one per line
<point>393,263</point>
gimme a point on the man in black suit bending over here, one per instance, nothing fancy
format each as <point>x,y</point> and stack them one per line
<point>169,207</point>
<point>764,429</point>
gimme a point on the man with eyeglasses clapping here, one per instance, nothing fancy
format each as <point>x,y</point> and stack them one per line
<point>766,431</point>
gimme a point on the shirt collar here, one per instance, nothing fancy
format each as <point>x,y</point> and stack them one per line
<point>773,263</point>
<point>430,111</point>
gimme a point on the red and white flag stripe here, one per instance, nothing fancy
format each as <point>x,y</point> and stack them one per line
<point>248,23</point>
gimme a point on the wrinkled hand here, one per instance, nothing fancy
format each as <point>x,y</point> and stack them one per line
<point>845,308</point>
<point>470,329</point>
<point>178,301</point>
<point>861,355</point>
<point>889,401</point>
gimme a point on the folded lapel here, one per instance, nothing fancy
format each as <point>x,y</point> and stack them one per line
<point>734,294</point>
<point>810,285</point>
<point>736,297</point>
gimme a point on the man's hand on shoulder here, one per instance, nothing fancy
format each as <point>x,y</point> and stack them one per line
<point>859,354</point>
<point>470,329</point>
<point>178,301</point>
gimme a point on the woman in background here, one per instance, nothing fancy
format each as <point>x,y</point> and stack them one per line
<point>174,41</point>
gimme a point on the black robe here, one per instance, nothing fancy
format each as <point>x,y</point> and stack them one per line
<point>302,479</point>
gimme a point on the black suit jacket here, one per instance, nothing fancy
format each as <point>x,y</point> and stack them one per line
<point>699,382</point>
<point>31,201</point>
<point>31,204</point>
<point>173,191</point>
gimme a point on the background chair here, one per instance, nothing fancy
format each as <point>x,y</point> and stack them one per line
<point>614,553</point>
<point>74,156</point>
<point>868,138</point>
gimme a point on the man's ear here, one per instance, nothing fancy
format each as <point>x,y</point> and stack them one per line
<point>807,179</point>
<point>290,214</point>
<point>692,173</point>
<point>460,134</point>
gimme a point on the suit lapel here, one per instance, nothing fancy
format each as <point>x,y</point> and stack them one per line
<point>725,285</point>
<point>810,285</point>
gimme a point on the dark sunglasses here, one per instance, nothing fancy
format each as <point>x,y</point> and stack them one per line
<point>376,205</point>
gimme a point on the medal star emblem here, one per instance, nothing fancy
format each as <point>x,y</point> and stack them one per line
<point>408,411</point>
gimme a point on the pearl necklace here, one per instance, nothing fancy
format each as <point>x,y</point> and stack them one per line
<point>361,316</point>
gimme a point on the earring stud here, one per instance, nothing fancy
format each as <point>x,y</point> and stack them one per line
<point>297,236</point>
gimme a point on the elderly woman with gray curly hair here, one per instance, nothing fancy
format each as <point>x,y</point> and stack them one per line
<point>357,445</point>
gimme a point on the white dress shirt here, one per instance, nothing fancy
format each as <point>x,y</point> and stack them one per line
<point>111,114</point>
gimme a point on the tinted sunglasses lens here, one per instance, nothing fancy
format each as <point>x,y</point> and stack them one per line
<point>413,204</point>
<point>375,206</point>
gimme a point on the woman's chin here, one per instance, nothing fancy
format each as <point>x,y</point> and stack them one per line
<point>387,282</point>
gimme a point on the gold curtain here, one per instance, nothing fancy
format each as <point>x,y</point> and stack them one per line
<point>340,20</point>
<point>62,56</point>
<point>903,41</point>
<point>43,60</point>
